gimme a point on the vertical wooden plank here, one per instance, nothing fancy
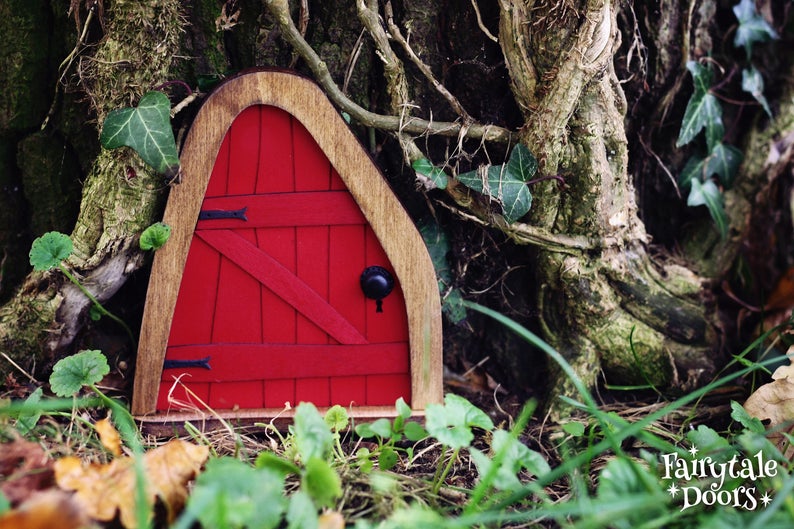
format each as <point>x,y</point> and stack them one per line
<point>347,260</point>
<point>195,307</point>
<point>314,390</point>
<point>279,392</point>
<point>349,391</point>
<point>244,152</point>
<point>312,268</point>
<point>231,395</point>
<point>276,160</point>
<point>238,317</point>
<point>391,325</point>
<point>220,170</point>
<point>384,390</point>
<point>201,390</point>
<point>312,169</point>
<point>278,317</point>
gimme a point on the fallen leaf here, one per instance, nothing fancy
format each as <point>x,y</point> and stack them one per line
<point>103,490</point>
<point>331,520</point>
<point>109,436</point>
<point>51,509</point>
<point>24,469</point>
<point>774,402</point>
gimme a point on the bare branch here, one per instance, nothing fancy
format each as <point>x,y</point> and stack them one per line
<point>279,9</point>
<point>394,31</point>
<point>480,22</point>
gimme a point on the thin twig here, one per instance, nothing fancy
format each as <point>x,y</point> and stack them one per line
<point>279,9</point>
<point>480,22</point>
<point>394,31</point>
<point>19,368</point>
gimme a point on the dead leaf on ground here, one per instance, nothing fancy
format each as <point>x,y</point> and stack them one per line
<point>102,490</point>
<point>775,402</point>
<point>109,436</point>
<point>51,509</point>
<point>24,469</point>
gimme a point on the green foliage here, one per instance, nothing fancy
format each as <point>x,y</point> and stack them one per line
<point>752,27</point>
<point>740,415</point>
<point>155,236</point>
<point>321,482</point>
<point>313,438</point>
<point>437,177</point>
<point>147,130</point>
<point>753,83</point>
<point>5,505</point>
<point>438,246</point>
<point>708,194</point>
<point>230,494</point>
<point>452,422</point>
<point>506,184</point>
<point>26,421</point>
<point>49,250</point>
<point>70,374</point>
<point>515,458</point>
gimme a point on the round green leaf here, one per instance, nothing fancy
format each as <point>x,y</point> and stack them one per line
<point>49,250</point>
<point>336,418</point>
<point>73,372</point>
<point>321,482</point>
<point>155,236</point>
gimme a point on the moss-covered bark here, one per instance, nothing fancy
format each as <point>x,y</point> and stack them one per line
<point>120,195</point>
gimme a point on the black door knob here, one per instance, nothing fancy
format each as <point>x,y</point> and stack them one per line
<point>376,283</point>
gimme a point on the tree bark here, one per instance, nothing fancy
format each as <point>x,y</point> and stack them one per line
<point>121,196</point>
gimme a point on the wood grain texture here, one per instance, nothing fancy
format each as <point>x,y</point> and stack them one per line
<point>394,229</point>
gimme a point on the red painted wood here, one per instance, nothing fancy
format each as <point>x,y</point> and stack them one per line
<point>195,305</point>
<point>314,390</point>
<point>276,162</point>
<point>281,281</point>
<point>313,208</point>
<point>312,168</point>
<point>238,316</point>
<point>277,361</point>
<point>232,395</point>
<point>312,253</point>
<point>217,184</point>
<point>383,390</point>
<point>278,317</point>
<point>185,394</point>
<point>275,301</point>
<point>279,392</point>
<point>244,153</point>
<point>391,324</point>
<point>349,391</point>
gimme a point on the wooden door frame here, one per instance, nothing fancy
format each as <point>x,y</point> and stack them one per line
<point>395,230</point>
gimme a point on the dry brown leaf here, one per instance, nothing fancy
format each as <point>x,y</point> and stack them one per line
<point>102,490</point>
<point>331,520</point>
<point>51,509</point>
<point>775,402</point>
<point>24,469</point>
<point>109,436</point>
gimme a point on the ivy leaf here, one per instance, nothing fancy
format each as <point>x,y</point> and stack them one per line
<point>451,423</point>
<point>73,372</point>
<point>517,456</point>
<point>147,130</point>
<point>752,27</point>
<point>693,169</point>
<point>313,437</point>
<point>49,250</point>
<point>708,194</point>
<point>503,187</point>
<point>753,83</point>
<point>522,164</point>
<point>155,236</point>
<point>724,162</point>
<point>26,421</point>
<point>424,167</point>
<point>740,415</point>
<point>703,109</point>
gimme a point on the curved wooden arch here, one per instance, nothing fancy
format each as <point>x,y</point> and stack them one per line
<point>397,234</point>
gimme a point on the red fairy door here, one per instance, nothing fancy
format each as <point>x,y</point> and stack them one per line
<point>257,298</point>
<point>271,309</point>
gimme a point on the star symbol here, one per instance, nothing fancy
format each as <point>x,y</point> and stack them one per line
<point>766,499</point>
<point>693,450</point>
<point>673,490</point>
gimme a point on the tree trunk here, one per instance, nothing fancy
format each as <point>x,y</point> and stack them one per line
<point>121,196</point>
